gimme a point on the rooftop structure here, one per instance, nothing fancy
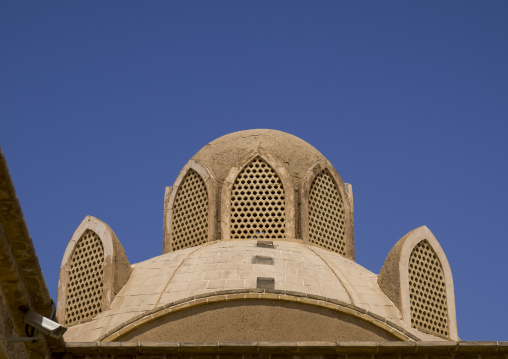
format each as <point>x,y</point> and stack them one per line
<point>260,223</point>
<point>258,259</point>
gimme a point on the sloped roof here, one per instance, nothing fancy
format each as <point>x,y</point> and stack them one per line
<point>22,285</point>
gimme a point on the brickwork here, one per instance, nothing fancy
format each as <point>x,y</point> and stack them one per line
<point>22,284</point>
<point>9,350</point>
<point>228,265</point>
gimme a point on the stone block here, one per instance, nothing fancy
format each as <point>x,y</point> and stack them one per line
<point>265,283</point>
<point>265,244</point>
<point>234,283</point>
<point>216,284</point>
<point>262,260</point>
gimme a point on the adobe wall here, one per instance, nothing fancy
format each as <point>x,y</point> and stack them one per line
<point>249,320</point>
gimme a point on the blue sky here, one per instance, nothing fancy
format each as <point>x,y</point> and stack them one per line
<point>102,104</point>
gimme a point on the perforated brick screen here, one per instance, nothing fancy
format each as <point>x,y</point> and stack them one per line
<point>326,214</point>
<point>86,273</point>
<point>427,291</point>
<point>189,223</point>
<point>258,208</point>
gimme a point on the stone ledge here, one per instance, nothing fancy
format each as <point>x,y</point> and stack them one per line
<point>288,349</point>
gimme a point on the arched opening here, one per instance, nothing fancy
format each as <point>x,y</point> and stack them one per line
<point>427,291</point>
<point>86,275</point>
<point>258,203</point>
<point>189,221</point>
<point>326,214</point>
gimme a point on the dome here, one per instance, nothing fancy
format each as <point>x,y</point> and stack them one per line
<point>259,184</point>
<point>258,245</point>
<point>220,154</point>
<point>308,276</point>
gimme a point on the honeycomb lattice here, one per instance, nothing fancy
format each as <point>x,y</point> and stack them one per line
<point>427,291</point>
<point>86,273</point>
<point>326,214</point>
<point>189,223</point>
<point>258,208</point>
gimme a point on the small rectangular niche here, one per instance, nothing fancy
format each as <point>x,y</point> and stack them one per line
<point>262,260</point>
<point>265,283</point>
<point>265,244</point>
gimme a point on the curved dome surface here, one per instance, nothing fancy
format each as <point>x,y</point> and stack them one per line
<point>259,184</point>
<point>295,267</point>
<point>296,154</point>
<point>236,193</point>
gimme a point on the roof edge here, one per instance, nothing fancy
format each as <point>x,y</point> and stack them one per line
<point>290,349</point>
<point>25,279</point>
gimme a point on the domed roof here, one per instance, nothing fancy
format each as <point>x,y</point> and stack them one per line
<point>296,154</point>
<point>258,238</point>
<point>183,276</point>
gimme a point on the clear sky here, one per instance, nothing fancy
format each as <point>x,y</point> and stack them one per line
<point>103,102</point>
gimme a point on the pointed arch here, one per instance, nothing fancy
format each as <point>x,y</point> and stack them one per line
<point>427,290</point>
<point>327,210</point>
<point>189,208</point>
<point>94,269</point>
<point>417,277</point>
<point>86,278</point>
<point>257,199</point>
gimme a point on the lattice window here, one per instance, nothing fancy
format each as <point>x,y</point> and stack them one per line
<point>427,291</point>
<point>189,223</point>
<point>258,208</point>
<point>326,214</point>
<point>86,273</point>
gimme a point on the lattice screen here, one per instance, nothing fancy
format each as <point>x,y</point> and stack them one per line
<point>258,208</point>
<point>189,223</point>
<point>86,273</point>
<point>427,290</point>
<point>326,214</point>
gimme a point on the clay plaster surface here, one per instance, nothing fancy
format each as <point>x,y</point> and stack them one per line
<point>252,320</point>
<point>296,154</point>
